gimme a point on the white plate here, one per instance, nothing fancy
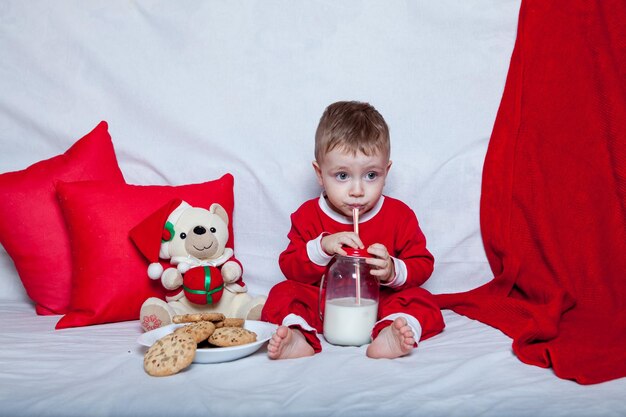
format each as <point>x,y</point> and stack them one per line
<point>262,329</point>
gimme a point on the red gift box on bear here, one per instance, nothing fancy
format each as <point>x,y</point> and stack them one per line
<point>203,285</point>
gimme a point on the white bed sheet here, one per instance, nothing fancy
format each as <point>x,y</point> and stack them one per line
<point>469,370</point>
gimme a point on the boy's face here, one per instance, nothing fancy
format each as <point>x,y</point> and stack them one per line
<point>352,180</point>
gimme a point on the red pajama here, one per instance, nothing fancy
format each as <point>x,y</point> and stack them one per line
<point>393,224</point>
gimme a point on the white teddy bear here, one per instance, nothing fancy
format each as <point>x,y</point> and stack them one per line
<point>204,276</point>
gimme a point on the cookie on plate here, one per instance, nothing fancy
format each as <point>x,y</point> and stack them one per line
<point>199,330</point>
<point>193,317</point>
<point>230,322</point>
<point>231,336</point>
<point>170,354</point>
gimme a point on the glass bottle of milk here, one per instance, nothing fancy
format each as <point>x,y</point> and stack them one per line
<point>351,301</point>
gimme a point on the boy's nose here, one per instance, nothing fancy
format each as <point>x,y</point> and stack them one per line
<point>356,190</point>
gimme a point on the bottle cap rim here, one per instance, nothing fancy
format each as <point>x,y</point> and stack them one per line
<point>356,252</point>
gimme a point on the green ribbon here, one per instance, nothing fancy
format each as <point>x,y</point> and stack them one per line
<point>170,228</point>
<point>207,287</point>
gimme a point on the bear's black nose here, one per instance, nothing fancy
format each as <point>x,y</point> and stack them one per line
<point>199,230</point>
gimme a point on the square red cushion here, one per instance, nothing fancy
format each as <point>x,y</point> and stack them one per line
<point>32,229</point>
<point>110,281</point>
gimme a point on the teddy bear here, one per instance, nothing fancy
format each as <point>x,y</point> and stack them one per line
<point>202,274</point>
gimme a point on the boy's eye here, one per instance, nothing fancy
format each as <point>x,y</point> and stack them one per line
<point>341,176</point>
<point>371,175</point>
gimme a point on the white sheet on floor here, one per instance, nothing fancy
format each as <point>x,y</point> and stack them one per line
<point>468,370</point>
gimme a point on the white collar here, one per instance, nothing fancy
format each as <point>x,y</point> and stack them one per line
<point>192,261</point>
<point>348,220</point>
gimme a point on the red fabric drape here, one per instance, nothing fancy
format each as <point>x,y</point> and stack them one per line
<point>553,206</point>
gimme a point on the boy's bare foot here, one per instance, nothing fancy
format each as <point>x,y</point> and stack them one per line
<point>288,343</point>
<point>393,341</point>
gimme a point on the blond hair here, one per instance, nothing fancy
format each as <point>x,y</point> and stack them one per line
<point>352,126</point>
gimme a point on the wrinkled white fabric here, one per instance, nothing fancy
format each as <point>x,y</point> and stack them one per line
<point>98,371</point>
<point>194,90</point>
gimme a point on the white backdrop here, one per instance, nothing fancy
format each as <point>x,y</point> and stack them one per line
<point>193,89</point>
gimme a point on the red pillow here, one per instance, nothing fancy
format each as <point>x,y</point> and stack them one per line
<point>32,229</point>
<point>110,279</point>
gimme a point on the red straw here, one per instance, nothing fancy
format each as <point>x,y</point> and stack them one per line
<point>355,220</point>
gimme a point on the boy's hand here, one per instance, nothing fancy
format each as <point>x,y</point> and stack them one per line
<point>382,263</point>
<point>331,244</point>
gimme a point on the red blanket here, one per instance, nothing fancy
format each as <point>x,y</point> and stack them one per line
<point>553,206</point>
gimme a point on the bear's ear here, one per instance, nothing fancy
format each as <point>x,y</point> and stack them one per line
<point>219,211</point>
